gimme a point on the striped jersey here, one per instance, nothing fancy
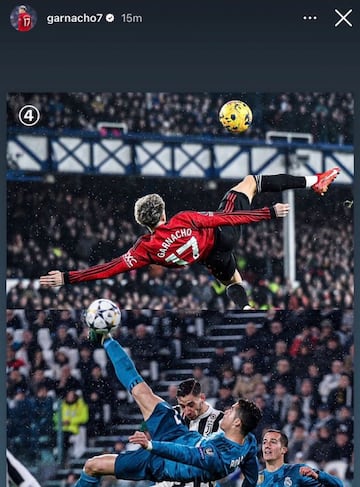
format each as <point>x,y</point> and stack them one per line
<point>205,424</point>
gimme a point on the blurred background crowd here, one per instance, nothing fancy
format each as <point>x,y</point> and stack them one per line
<point>328,117</point>
<point>64,401</point>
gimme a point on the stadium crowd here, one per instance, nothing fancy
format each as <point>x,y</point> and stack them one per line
<point>75,224</point>
<point>327,116</point>
<point>297,366</point>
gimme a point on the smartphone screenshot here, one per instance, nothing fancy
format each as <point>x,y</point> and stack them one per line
<point>178,211</point>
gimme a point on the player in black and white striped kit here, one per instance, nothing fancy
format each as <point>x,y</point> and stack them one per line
<point>18,473</point>
<point>198,415</point>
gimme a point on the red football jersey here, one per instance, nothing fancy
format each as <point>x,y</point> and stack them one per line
<point>186,238</point>
<point>24,22</point>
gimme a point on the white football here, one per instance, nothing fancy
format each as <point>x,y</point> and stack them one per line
<point>103,314</point>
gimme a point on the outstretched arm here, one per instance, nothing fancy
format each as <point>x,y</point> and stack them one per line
<point>322,478</point>
<point>126,262</point>
<point>240,217</point>
<point>189,455</point>
<point>204,458</point>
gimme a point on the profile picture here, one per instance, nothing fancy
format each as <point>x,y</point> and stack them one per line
<point>23,18</point>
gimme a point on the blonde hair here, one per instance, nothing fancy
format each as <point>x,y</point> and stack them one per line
<point>149,209</point>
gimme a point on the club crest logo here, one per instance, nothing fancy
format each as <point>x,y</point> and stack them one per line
<point>261,478</point>
<point>129,259</point>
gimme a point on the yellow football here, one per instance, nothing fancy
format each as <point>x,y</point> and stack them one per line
<point>235,116</point>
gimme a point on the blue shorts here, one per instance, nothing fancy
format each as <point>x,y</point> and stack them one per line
<point>143,465</point>
<point>164,424</point>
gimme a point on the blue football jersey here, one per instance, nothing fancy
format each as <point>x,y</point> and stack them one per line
<point>289,476</point>
<point>213,457</point>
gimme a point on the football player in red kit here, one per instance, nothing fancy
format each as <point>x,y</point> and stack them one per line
<point>24,19</point>
<point>191,236</point>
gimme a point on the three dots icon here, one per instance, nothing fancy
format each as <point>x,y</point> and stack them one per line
<point>310,17</point>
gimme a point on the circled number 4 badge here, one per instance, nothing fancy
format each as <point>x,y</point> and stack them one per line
<point>29,115</point>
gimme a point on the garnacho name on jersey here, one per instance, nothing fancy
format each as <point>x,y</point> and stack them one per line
<point>183,232</point>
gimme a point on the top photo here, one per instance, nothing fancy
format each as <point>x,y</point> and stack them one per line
<point>180,201</point>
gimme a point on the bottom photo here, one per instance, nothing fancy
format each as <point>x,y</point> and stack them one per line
<point>103,397</point>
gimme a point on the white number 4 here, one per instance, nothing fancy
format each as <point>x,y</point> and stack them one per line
<point>29,115</point>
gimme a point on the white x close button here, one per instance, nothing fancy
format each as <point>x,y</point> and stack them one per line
<point>343,17</point>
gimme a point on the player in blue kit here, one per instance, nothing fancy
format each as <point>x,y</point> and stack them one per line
<point>174,452</point>
<point>279,474</point>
